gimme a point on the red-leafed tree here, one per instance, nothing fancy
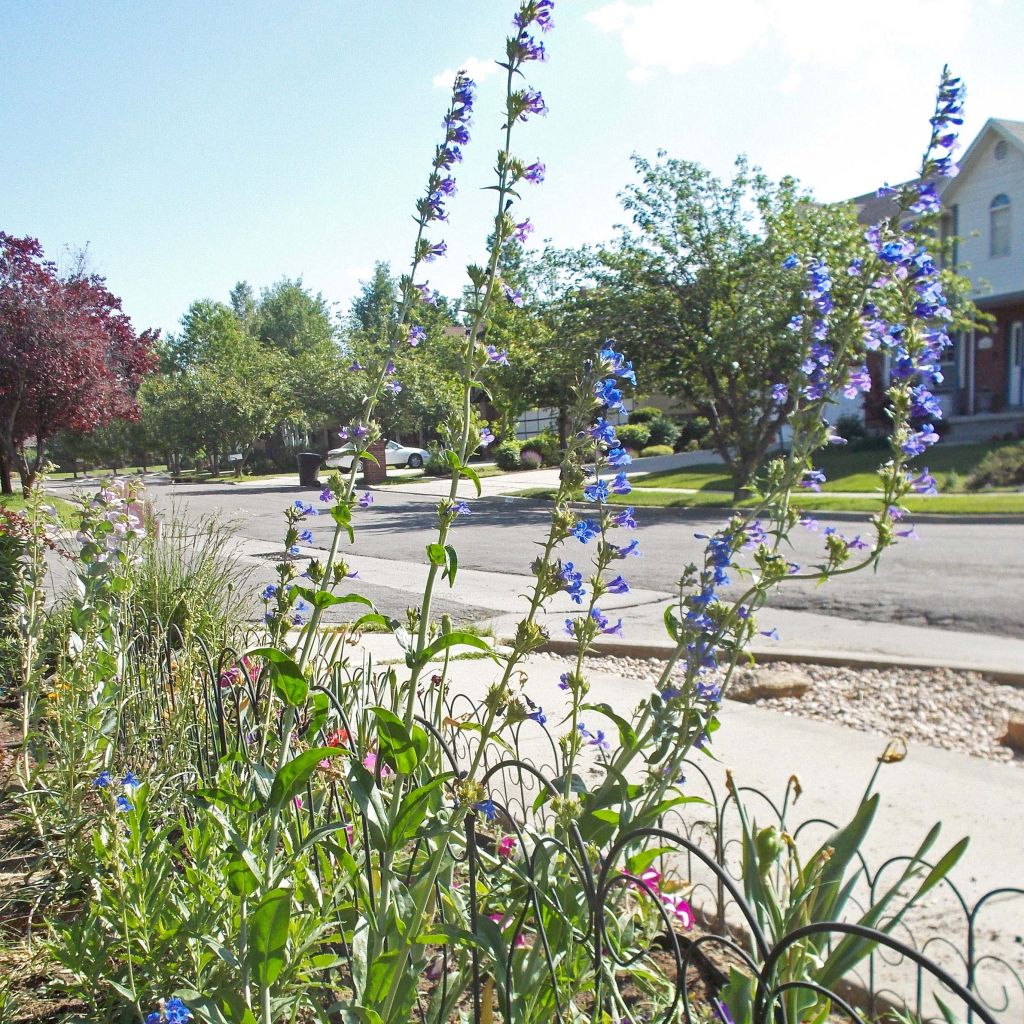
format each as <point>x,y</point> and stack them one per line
<point>69,356</point>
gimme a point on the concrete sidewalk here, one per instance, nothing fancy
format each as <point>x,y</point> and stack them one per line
<point>763,748</point>
<point>803,635</point>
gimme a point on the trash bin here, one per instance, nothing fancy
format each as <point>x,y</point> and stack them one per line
<point>309,466</point>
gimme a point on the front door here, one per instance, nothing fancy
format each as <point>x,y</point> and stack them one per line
<point>1016,395</point>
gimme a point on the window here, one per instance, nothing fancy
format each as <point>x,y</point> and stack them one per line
<point>1001,149</point>
<point>999,226</point>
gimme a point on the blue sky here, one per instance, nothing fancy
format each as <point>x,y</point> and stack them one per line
<point>193,144</point>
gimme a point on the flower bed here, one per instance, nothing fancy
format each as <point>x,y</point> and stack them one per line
<point>263,826</point>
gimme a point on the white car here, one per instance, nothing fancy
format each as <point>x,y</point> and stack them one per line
<point>395,453</point>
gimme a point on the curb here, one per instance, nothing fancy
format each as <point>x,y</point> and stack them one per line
<point>839,659</point>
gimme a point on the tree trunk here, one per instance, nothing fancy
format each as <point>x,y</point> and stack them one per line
<point>5,475</point>
<point>563,427</point>
<point>26,472</point>
<point>742,471</point>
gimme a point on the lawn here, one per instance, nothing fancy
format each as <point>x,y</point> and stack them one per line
<point>100,472</point>
<point>846,470</point>
<point>987,503</point>
<point>481,471</point>
<point>65,510</point>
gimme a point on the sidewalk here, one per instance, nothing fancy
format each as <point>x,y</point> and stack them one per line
<point>763,748</point>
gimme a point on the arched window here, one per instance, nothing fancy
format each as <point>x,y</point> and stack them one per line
<point>999,226</point>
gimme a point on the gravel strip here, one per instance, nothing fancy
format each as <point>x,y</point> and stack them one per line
<point>962,711</point>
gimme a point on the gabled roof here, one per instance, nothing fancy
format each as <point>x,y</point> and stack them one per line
<point>872,208</point>
<point>1011,131</point>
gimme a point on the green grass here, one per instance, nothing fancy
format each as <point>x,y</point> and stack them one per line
<point>66,511</point>
<point>103,472</point>
<point>846,470</point>
<point>988,503</point>
<point>191,477</point>
<point>704,477</point>
<point>481,471</point>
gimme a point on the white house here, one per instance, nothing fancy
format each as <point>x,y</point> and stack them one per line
<point>983,211</point>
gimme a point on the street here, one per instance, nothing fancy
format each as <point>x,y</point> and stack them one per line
<point>963,575</point>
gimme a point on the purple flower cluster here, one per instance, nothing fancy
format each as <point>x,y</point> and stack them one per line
<point>948,116</point>
<point>441,185</point>
<point>572,581</point>
<point>174,1012</point>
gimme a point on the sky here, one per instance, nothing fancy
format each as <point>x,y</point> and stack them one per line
<point>190,145</point>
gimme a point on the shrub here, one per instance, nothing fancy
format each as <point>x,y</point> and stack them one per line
<point>1002,467</point>
<point>657,449</point>
<point>437,464</point>
<point>850,427</point>
<point>191,583</point>
<point>633,436</point>
<point>259,464</point>
<point>529,459</point>
<point>12,549</point>
<point>693,432</point>
<point>546,445</point>
<point>663,431</point>
<point>506,455</point>
<point>644,414</point>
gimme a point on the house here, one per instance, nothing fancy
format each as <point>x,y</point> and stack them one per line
<point>982,395</point>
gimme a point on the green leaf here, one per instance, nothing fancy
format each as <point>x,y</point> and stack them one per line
<point>671,623</point>
<point>318,718</point>
<point>342,515</point>
<point>474,476</point>
<point>627,735</point>
<point>452,566</point>
<point>943,867</point>
<point>293,774</point>
<point>435,552</point>
<point>325,599</point>
<point>447,934</point>
<point>216,795</point>
<point>373,619</point>
<point>640,862</point>
<point>241,880</point>
<point>268,935</point>
<point>397,746</point>
<point>349,1014</point>
<point>414,809</point>
<point>289,682</point>
<point>456,638</point>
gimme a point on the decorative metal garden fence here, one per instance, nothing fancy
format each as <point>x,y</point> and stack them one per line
<point>666,905</point>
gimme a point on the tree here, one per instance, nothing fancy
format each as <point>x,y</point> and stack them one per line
<point>210,332</point>
<point>699,293</point>
<point>69,356</point>
<point>293,320</point>
<point>427,374</point>
<point>374,311</point>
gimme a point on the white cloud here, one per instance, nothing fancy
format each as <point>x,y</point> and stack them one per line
<point>476,68</point>
<point>678,37</point>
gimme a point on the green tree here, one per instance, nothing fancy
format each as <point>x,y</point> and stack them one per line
<point>698,292</point>
<point>374,311</point>
<point>210,331</point>
<point>426,374</point>
<point>293,320</point>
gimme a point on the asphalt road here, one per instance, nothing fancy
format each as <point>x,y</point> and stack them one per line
<point>962,575</point>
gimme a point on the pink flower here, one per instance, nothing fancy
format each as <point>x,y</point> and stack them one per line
<point>506,846</point>
<point>499,920</point>
<point>298,803</point>
<point>676,905</point>
<point>370,764</point>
